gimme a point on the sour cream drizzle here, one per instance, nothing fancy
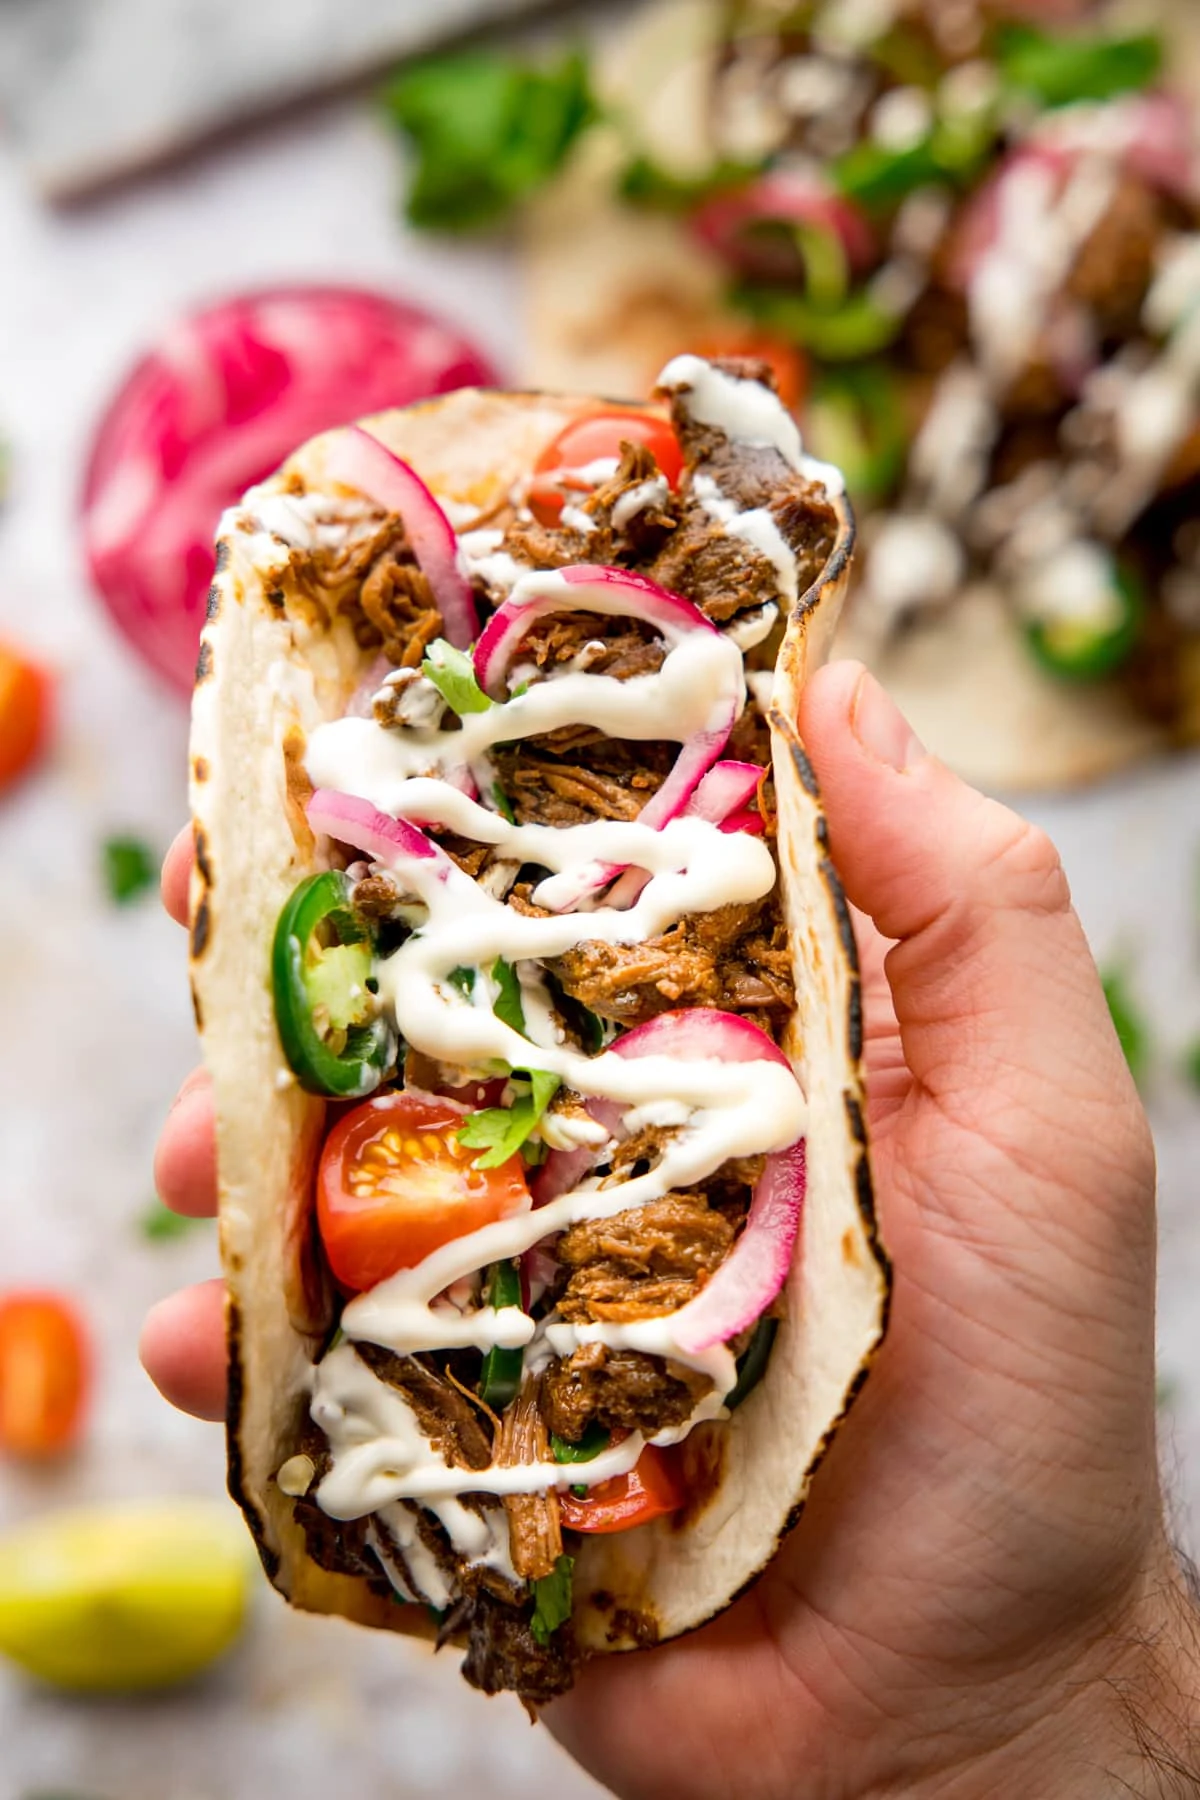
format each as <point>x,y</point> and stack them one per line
<point>716,1110</point>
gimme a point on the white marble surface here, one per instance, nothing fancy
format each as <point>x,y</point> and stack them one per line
<point>96,1024</point>
<point>99,87</point>
<point>96,1020</point>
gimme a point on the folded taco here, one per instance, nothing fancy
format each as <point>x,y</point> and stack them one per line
<point>969,236</point>
<point>530,1001</point>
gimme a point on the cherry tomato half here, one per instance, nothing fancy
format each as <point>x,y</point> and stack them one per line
<point>787,361</point>
<point>24,713</point>
<point>650,1489</point>
<point>395,1184</point>
<point>44,1374</point>
<point>596,438</point>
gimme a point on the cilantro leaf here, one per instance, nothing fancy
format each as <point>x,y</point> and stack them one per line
<point>1061,71</point>
<point>463,980</point>
<point>130,867</point>
<point>552,1600</point>
<point>487,131</point>
<point>644,182</point>
<point>453,675</point>
<point>502,803</point>
<point>595,1439</point>
<point>500,1131</point>
<point>1127,1018</point>
<point>159,1225</point>
<point>508,1006</point>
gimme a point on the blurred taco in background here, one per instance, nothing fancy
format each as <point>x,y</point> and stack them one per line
<point>531,1005</point>
<point>971,237</point>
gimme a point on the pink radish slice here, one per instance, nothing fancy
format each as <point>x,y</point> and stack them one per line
<point>753,1273</point>
<point>726,787</point>
<point>757,1267</point>
<point>565,1169</point>
<point>359,460</point>
<point>215,407</point>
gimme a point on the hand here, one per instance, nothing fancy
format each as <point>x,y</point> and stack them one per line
<point>981,1598</point>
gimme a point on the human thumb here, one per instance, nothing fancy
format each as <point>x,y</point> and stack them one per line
<point>991,976</point>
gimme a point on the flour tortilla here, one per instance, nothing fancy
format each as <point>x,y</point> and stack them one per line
<point>266,677</point>
<point>611,292</point>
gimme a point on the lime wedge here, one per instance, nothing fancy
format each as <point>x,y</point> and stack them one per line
<point>119,1599</point>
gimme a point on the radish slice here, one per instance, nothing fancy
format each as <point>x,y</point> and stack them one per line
<point>756,1268</point>
<point>359,460</point>
<point>215,407</point>
<point>357,823</point>
<point>727,787</point>
<point>720,799</point>
<point>781,197</point>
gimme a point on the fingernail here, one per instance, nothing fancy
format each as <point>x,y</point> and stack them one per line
<point>881,727</point>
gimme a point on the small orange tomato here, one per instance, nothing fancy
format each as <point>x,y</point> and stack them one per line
<point>394,1185</point>
<point>24,713</point>
<point>651,1489</point>
<point>596,438</point>
<point>45,1374</point>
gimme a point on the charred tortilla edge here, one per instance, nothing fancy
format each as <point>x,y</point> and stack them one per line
<point>242,714</point>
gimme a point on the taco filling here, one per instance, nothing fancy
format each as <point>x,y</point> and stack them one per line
<point>543,979</point>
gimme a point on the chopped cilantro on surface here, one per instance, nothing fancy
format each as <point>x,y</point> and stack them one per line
<point>453,675</point>
<point>130,868</point>
<point>552,1600</point>
<point>1191,1063</point>
<point>487,131</point>
<point>1126,1016</point>
<point>1060,70</point>
<point>159,1225</point>
<point>500,1131</point>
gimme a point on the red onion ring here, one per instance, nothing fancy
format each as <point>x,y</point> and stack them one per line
<point>359,460</point>
<point>720,798</point>
<point>591,588</point>
<point>384,839</point>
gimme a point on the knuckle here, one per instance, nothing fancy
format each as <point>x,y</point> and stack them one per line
<point>1027,863</point>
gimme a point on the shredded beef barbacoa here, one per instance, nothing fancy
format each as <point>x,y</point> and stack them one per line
<point>623,1390</point>
<point>504,1657</point>
<point>650,1260</point>
<point>642,1263</point>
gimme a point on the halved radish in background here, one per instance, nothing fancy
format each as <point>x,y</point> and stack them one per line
<point>218,404</point>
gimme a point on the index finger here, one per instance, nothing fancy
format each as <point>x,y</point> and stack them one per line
<point>177,875</point>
